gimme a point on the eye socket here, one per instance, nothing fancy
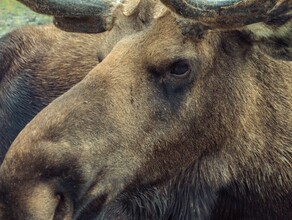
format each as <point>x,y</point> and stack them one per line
<point>180,68</point>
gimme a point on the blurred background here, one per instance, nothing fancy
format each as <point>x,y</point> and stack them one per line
<point>14,15</point>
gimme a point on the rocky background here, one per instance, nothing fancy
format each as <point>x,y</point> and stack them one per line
<point>14,15</point>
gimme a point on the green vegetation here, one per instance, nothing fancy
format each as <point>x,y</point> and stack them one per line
<point>14,15</point>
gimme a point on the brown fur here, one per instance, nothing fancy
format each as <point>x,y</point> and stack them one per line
<point>37,65</point>
<point>134,141</point>
<point>40,63</point>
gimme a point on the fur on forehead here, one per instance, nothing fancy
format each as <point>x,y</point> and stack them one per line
<point>191,28</point>
<point>274,29</point>
<point>159,10</point>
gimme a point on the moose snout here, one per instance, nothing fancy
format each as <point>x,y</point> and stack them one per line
<point>52,199</point>
<point>55,184</point>
<point>45,203</point>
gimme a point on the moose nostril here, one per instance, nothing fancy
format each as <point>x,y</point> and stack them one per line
<point>64,208</point>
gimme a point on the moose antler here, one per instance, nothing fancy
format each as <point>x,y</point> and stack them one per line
<point>230,13</point>
<point>76,15</point>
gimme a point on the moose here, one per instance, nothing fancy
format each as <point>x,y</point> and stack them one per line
<point>189,118</point>
<point>38,64</point>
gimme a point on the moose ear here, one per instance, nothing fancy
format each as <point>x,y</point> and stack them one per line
<point>130,7</point>
<point>90,16</point>
<point>159,11</point>
<point>274,38</point>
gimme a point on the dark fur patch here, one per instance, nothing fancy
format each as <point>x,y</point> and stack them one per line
<point>18,104</point>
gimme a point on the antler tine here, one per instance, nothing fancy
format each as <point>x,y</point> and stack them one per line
<point>70,8</point>
<point>230,13</point>
<point>91,16</point>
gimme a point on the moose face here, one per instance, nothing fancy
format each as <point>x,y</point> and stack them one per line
<point>40,63</point>
<point>161,101</point>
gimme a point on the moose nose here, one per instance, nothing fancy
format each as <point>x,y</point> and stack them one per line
<point>43,203</point>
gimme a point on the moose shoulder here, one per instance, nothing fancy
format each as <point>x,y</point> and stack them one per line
<point>187,119</point>
<point>37,64</point>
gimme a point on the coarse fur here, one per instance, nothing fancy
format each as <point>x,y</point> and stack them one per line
<point>168,126</point>
<point>37,65</point>
<point>40,63</point>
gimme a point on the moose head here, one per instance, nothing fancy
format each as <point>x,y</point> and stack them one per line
<point>189,118</point>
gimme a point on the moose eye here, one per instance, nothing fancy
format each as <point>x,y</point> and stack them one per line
<point>180,68</point>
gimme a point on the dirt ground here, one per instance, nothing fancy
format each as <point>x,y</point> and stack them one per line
<point>14,15</point>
